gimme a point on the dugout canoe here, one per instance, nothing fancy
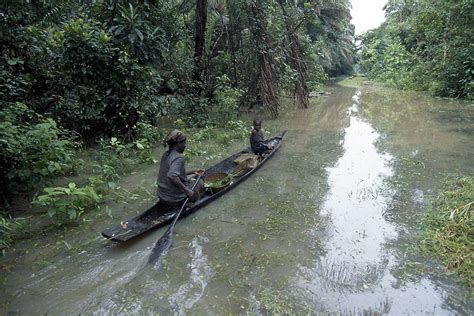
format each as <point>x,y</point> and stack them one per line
<point>155,216</point>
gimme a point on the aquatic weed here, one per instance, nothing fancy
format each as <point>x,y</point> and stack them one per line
<point>279,302</point>
<point>447,230</point>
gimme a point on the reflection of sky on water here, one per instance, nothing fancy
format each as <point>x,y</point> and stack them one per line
<point>354,204</point>
<point>354,273</point>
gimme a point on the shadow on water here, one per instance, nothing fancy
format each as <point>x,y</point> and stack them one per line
<point>323,227</point>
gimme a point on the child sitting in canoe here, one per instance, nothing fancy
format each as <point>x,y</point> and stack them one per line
<point>257,141</point>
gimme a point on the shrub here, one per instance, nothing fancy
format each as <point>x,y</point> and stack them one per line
<point>192,110</point>
<point>116,157</point>
<point>113,158</point>
<point>66,204</point>
<point>227,101</point>
<point>149,132</point>
<point>239,129</point>
<point>85,81</point>
<point>33,148</point>
<point>8,228</point>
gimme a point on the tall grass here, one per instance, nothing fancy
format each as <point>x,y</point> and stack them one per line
<point>8,229</point>
<point>448,228</point>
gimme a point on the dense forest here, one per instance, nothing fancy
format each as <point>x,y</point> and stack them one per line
<point>97,66</point>
<point>423,45</point>
<point>76,74</point>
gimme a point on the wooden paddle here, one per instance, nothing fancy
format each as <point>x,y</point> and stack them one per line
<point>164,243</point>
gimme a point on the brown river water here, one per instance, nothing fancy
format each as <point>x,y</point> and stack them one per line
<point>327,226</point>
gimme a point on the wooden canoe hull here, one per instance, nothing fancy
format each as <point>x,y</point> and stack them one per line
<point>155,217</point>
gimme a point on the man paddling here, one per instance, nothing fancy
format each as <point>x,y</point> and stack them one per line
<point>173,184</point>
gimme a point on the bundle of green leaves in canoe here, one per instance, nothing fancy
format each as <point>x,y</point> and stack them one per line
<point>217,181</point>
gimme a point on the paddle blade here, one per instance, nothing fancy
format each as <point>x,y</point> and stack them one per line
<point>162,245</point>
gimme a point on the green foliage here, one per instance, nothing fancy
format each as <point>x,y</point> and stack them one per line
<point>146,137</point>
<point>239,129</point>
<point>110,69</point>
<point>231,130</point>
<point>100,85</point>
<point>328,25</point>
<point>98,184</point>
<point>207,142</point>
<point>316,72</point>
<point>66,204</point>
<point>9,227</point>
<point>33,148</point>
<point>12,85</point>
<point>149,132</point>
<point>116,158</point>
<point>396,67</point>
<point>448,227</point>
<point>226,100</point>
<point>129,30</point>
<point>77,72</point>
<point>95,67</point>
<point>423,46</point>
<point>194,111</point>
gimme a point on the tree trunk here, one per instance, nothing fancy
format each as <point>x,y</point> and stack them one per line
<point>232,31</point>
<point>266,87</point>
<point>298,61</point>
<point>200,29</point>
<point>446,36</point>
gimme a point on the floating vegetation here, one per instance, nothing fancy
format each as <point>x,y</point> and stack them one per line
<point>408,169</point>
<point>448,228</point>
<point>279,302</point>
<point>281,218</point>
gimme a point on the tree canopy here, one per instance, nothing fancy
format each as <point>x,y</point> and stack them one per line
<point>424,45</point>
<point>100,66</point>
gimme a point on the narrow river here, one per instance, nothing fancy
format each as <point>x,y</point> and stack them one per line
<point>326,226</point>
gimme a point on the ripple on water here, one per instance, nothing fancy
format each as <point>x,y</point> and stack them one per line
<point>192,290</point>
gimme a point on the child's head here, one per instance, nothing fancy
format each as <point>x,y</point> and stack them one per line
<point>257,123</point>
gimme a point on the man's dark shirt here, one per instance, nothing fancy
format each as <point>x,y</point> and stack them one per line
<point>172,164</point>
